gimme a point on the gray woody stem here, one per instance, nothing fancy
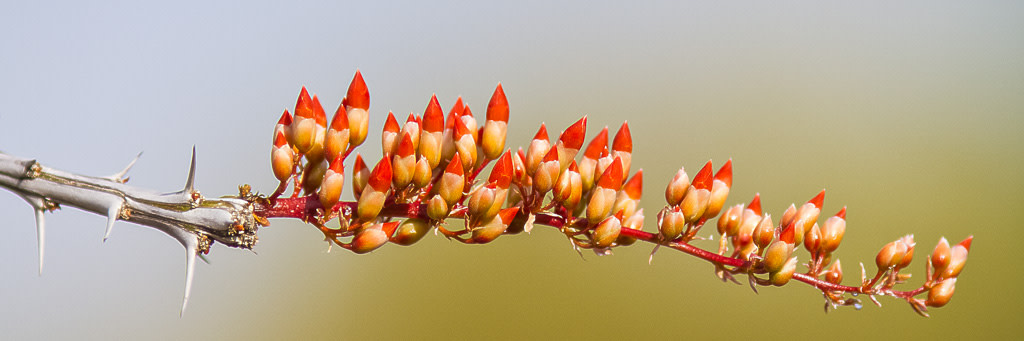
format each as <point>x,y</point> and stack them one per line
<point>194,221</point>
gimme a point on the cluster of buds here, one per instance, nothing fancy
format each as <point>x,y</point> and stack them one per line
<point>428,175</point>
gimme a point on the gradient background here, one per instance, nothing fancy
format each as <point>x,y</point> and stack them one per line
<point>908,113</point>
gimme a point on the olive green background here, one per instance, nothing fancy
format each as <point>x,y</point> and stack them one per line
<point>909,114</point>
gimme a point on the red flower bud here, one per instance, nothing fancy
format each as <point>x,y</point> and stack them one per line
<point>404,162</point>
<point>437,208</point>
<point>677,187</point>
<point>451,183</point>
<point>410,231</point>
<point>465,145</point>
<point>629,196</point>
<point>492,139</point>
<point>783,276</point>
<point>360,176</point>
<point>282,156</point>
<point>588,164</point>
<point>390,136</point>
<point>494,227</point>
<point>835,273</point>
<point>729,222</point>
<point>357,106</point>
<point>338,135</point>
<point>334,181</point>
<point>622,147</point>
<point>764,232</point>
<point>432,135</point>
<point>607,231</point>
<point>569,188</point>
<point>940,294</point>
<point>547,172</point>
<point>538,148</point>
<point>312,175</point>
<point>603,196</point>
<point>719,190</point>
<point>303,126</point>
<point>671,223</point>
<point>421,178</point>
<point>833,230</point>
<point>373,237</point>
<point>570,141</point>
<point>371,201</point>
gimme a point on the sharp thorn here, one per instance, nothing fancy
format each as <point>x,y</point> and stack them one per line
<point>112,214</point>
<point>191,173</point>
<point>40,236</point>
<point>651,258</point>
<point>203,258</point>
<point>119,176</point>
<point>191,249</point>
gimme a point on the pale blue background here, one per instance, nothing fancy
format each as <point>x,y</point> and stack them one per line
<point>909,113</point>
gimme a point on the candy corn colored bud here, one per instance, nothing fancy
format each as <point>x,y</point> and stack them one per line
<point>357,105</point>
<point>812,239</point>
<point>316,151</point>
<point>635,222</point>
<point>373,237</point>
<point>808,212</point>
<point>776,256</point>
<point>744,234</point>
<point>783,276</point>
<point>622,147</point>
<point>835,273</point>
<point>492,139</point>
<point>698,195</point>
<point>410,231</point>
<point>371,201</point>
<point>538,148</point>
<point>432,135</point>
<point>338,135</point>
<point>629,196</point>
<point>833,230</point>
<point>729,222</point>
<point>891,255</point>
<point>588,164</point>
<point>957,258</point>
<point>494,227</point>
<point>360,176</point>
<point>437,208</point>
<point>451,183</point>
<point>312,175</point>
<point>941,255</point>
<point>603,163</point>
<point>518,167</point>
<point>281,157</point>
<point>303,127</point>
<point>570,142</point>
<point>788,215</point>
<point>465,145</point>
<point>764,232</point>
<point>412,127</point>
<point>470,122</point>
<point>603,196</point>
<point>940,294</point>
<point>330,188</point>
<point>421,178</point>
<point>404,162</point>
<point>569,188</point>
<point>390,136</point>
<point>719,190</point>
<point>671,223</point>
<point>607,231</point>
<point>480,202</point>
<point>501,174</point>
<point>677,187</point>
<point>547,172</point>
<point>448,139</point>
<point>283,126</point>
<point>907,240</point>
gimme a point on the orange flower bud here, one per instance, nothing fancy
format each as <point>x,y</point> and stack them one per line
<point>412,127</point>
<point>282,155</point>
<point>629,196</point>
<point>410,231</point>
<point>538,148</point>
<point>492,140</point>
<point>432,135</point>
<point>330,188</point>
<point>481,201</point>
<point>622,147</point>
<point>404,162</point>
<point>744,234</point>
<point>833,230</point>
<point>719,190</point>
<point>783,276</point>
<point>451,183</point>
<point>788,216</point>
<point>501,174</point>
<point>940,294</point>
<point>465,145</point>
<point>312,175</point>
<point>635,222</point>
<point>776,256</point>
<point>390,136</point>
<point>470,122</point>
<point>570,141</point>
<point>908,241</point>
<point>729,222</point>
<point>698,195</point>
<point>764,232</point>
<point>569,188</point>
<point>808,212</point>
<point>357,106</point>
<point>603,197</point>
<point>835,273</point>
<point>941,255</point>
<point>371,201</point>
<point>676,189</point>
<point>338,135</point>
<point>518,167</point>
<point>588,164</point>
<point>303,126</point>
<point>437,208</point>
<point>671,223</point>
<point>373,237</point>
<point>316,151</point>
<point>360,176</point>
<point>957,258</point>
<point>812,239</point>
<point>891,255</point>
<point>607,231</point>
<point>547,172</point>
<point>421,178</point>
<point>494,227</point>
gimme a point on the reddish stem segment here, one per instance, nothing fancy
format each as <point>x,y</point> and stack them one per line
<point>306,207</point>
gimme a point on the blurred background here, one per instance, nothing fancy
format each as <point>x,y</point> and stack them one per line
<point>909,114</point>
